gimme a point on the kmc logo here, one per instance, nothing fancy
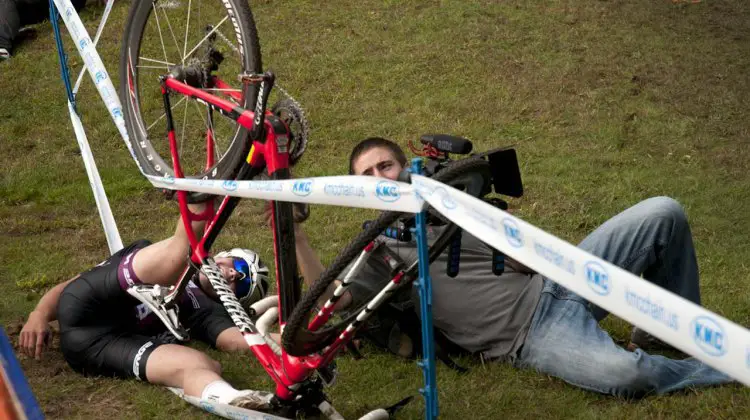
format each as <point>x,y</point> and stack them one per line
<point>229,185</point>
<point>448,201</point>
<point>387,191</point>
<point>302,188</point>
<point>513,233</point>
<point>597,278</point>
<point>99,76</point>
<point>709,336</point>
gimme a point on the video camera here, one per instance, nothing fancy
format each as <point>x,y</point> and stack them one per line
<point>506,174</point>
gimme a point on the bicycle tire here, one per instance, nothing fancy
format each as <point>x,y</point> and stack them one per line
<point>153,157</point>
<point>297,339</point>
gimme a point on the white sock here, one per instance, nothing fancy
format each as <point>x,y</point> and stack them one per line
<point>220,392</point>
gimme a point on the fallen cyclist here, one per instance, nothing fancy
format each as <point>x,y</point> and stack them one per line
<point>530,321</point>
<point>106,331</point>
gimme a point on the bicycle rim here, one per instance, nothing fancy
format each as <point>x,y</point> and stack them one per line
<point>210,38</point>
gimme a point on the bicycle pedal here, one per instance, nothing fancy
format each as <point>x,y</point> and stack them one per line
<point>152,296</point>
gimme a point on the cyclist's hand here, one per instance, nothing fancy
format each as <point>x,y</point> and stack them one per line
<point>35,335</point>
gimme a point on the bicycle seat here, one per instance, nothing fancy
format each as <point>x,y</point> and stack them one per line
<point>448,143</point>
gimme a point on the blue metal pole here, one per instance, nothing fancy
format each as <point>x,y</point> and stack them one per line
<point>424,285</point>
<point>54,18</point>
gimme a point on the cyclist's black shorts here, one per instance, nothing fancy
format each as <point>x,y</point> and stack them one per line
<point>101,332</point>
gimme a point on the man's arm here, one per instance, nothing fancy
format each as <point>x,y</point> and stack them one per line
<point>311,268</point>
<point>35,333</point>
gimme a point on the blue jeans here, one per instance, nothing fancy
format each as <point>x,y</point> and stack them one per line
<point>651,238</point>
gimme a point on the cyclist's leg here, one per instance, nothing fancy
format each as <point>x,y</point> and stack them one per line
<point>182,367</point>
<point>652,238</point>
<point>163,262</point>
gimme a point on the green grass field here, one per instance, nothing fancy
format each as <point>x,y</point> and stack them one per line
<point>608,102</point>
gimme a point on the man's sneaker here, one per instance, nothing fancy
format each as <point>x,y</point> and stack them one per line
<point>4,54</point>
<point>253,400</point>
<point>640,339</point>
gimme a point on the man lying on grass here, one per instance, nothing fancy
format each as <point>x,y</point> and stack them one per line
<point>105,331</point>
<point>531,321</point>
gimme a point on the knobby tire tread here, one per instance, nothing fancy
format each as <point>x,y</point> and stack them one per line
<point>296,338</point>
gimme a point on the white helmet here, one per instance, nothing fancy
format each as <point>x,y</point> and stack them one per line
<point>253,284</point>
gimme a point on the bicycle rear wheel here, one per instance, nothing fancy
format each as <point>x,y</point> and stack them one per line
<point>471,175</point>
<point>212,41</point>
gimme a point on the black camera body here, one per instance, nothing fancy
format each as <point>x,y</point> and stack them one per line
<point>506,173</point>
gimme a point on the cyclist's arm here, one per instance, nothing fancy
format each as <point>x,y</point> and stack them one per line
<point>35,332</point>
<point>163,262</point>
<point>311,267</point>
<point>46,309</point>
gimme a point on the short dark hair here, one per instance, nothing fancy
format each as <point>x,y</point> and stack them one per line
<point>371,143</point>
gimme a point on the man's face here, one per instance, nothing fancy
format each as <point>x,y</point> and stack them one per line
<point>378,161</point>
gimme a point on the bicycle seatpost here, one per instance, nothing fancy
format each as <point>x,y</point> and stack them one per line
<point>266,85</point>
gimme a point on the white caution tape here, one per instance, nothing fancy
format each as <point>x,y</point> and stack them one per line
<point>99,30</point>
<point>95,67</point>
<point>689,327</point>
<point>350,191</point>
<point>224,410</point>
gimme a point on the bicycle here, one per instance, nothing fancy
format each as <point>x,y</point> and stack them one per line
<point>243,145</point>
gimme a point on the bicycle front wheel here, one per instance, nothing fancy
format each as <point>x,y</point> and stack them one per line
<point>470,175</point>
<point>210,41</point>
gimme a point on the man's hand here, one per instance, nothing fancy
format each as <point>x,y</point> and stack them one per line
<point>301,211</point>
<point>35,335</point>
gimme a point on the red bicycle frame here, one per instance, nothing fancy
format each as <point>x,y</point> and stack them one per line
<point>268,144</point>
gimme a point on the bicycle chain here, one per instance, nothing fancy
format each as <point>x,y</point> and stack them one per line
<point>304,123</point>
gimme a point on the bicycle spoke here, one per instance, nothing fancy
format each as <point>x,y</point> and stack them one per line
<point>166,63</point>
<point>169,25</point>
<point>217,152</point>
<point>158,28</point>
<point>164,114</point>
<point>214,29</point>
<point>208,123</point>
<point>187,26</point>
<point>152,67</point>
